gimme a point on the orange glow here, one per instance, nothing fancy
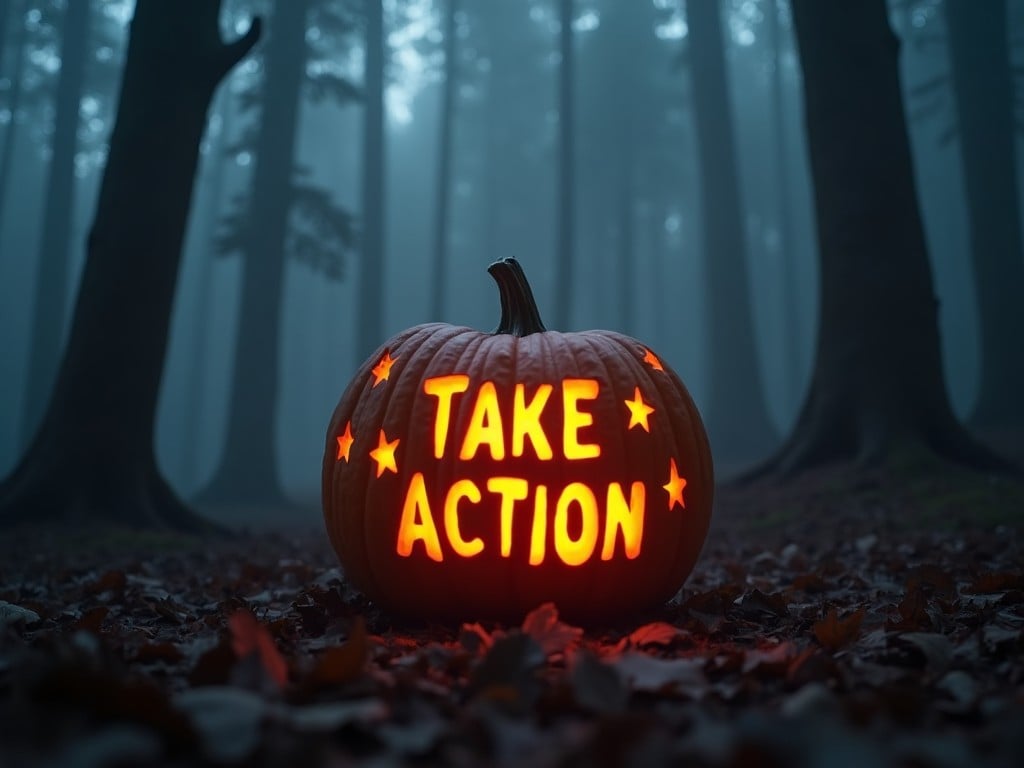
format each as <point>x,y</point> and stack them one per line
<point>652,360</point>
<point>417,523</point>
<point>444,388</point>
<point>628,519</point>
<point>526,422</point>
<point>576,551</point>
<point>574,390</point>
<point>382,370</point>
<point>461,489</point>
<point>384,454</point>
<point>538,533</point>
<point>512,489</point>
<point>638,411</point>
<point>485,425</point>
<point>675,486</point>
<point>345,443</point>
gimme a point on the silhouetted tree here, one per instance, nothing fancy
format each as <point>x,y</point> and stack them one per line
<point>93,458</point>
<point>877,391</point>
<point>982,75</point>
<point>444,162</point>
<point>5,17</point>
<point>371,270</point>
<point>566,246</point>
<point>280,216</point>
<point>213,178</point>
<point>49,311</point>
<point>736,413</point>
<point>247,471</point>
<point>790,346</point>
<point>18,55</point>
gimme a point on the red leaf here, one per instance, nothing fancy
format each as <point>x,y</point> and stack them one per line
<point>345,662</point>
<point>833,633</point>
<point>656,633</point>
<point>249,637</point>
<point>552,635</point>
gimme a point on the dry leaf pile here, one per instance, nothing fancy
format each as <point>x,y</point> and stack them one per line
<point>881,650</point>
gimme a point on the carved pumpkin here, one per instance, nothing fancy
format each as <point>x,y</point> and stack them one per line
<point>477,475</point>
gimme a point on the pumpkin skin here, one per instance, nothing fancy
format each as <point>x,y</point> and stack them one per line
<point>369,501</point>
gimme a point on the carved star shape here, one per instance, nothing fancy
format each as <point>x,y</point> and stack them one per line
<point>652,360</point>
<point>384,454</point>
<point>638,411</point>
<point>675,486</point>
<point>345,442</point>
<point>382,370</point>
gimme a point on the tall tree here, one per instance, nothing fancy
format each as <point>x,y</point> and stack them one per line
<point>5,17</point>
<point>93,457</point>
<point>736,413</point>
<point>213,179</point>
<point>444,162</point>
<point>49,314</point>
<point>247,471</point>
<point>791,347</point>
<point>371,270</point>
<point>982,74</point>
<point>264,227</point>
<point>877,389</point>
<point>566,246</point>
<point>18,56</point>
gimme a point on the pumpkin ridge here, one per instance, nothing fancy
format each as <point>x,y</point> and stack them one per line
<point>345,411</point>
<point>422,348</point>
<point>684,437</point>
<point>666,393</point>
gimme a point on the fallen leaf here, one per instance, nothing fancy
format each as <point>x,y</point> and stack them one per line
<point>552,635</point>
<point>936,649</point>
<point>650,674</point>
<point>658,633</point>
<point>996,581</point>
<point>15,615</point>
<point>327,717</point>
<point>596,686</point>
<point>227,719</point>
<point>343,663</point>
<point>834,633</point>
<point>250,638</point>
<point>505,675</point>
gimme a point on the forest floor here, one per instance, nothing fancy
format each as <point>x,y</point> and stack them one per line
<point>831,623</point>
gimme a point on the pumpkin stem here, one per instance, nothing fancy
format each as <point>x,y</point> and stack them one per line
<point>519,313</point>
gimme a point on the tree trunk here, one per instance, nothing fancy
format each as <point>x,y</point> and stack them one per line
<point>984,97</point>
<point>736,414</point>
<point>49,311</point>
<point>564,255</point>
<point>93,457</point>
<point>5,17</point>
<point>13,105</point>
<point>877,392</point>
<point>197,384</point>
<point>791,347</point>
<point>444,164</point>
<point>370,332</point>
<point>247,472</point>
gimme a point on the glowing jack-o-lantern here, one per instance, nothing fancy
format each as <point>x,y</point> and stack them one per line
<point>473,475</point>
